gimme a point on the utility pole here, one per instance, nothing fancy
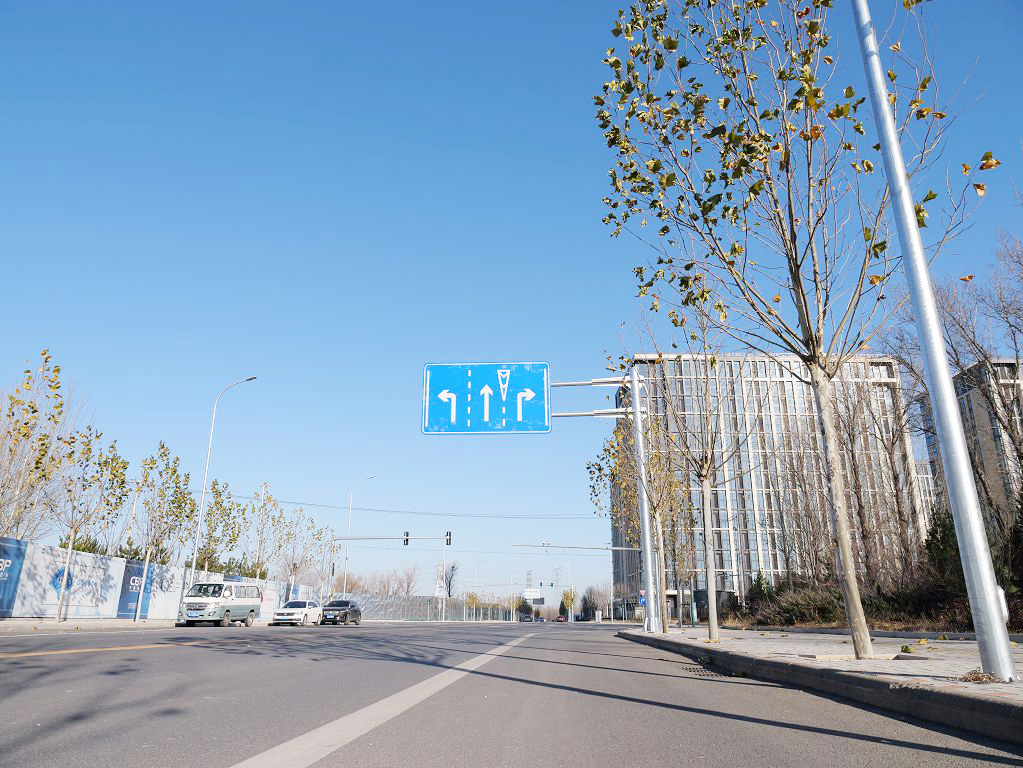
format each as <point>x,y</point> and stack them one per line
<point>987,600</point>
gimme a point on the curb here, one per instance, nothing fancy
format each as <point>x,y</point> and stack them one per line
<point>976,714</point>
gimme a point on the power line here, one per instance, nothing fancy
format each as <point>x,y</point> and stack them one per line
<point>479,515</point>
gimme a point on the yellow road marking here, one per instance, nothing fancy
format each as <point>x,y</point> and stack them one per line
<point>24,654</point>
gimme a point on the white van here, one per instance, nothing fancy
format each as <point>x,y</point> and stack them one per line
<point>220,604</point>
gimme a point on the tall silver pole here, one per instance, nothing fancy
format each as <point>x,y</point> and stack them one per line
<point>652,620</point>
<point>987,601</point>
<point>351,496</point>
<point>205,476</point>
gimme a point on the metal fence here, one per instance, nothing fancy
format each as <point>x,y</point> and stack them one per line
<point>423,608</point>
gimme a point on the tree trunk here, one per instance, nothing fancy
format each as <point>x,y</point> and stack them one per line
<point>142,585</point>
<point>62,599</point>
<point>846,563</point>
<point>708,563</point>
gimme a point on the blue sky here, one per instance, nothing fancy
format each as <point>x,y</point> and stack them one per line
<point>329,196</point>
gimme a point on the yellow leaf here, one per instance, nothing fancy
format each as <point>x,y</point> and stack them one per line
<point>967,278</point>
<point>774,23</point>
<point>776,298</point>
<point>875,279</point>
<point>966,169</point>
<point>981,189</point>
<point>896,48</point>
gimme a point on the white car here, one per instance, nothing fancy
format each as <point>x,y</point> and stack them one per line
<point>300,612</point>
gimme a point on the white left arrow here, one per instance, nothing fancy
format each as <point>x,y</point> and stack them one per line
<point>449,397</point>
<point>527,394</point>
<point>487,393</point>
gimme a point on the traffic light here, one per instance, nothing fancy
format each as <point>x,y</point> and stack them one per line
<point>448,542</point>
<point>406,538</point>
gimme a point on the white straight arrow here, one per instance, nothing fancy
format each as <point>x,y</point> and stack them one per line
<point>449,397</point>
<point>487,393</point>
<point>527,394</point>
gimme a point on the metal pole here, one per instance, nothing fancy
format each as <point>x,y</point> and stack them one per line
<point>987,601</point>
<point>652,619</point>
<point>205,476</point>
<point>351,495</point>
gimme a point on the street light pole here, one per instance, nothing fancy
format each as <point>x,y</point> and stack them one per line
<point>987,600</point>
<point>351,496</point>
<point>205,476</point>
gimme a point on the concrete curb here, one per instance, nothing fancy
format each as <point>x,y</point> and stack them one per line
<point>977,714</point>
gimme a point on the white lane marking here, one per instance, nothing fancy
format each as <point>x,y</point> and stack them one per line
<point>315,745</point>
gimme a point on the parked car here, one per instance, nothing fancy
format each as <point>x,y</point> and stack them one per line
<point>540,619</point>
<point>526,618</point>
<point>301,612</point>
<point>220,604</point>
<point>341,612</point>
<point>560,618</point>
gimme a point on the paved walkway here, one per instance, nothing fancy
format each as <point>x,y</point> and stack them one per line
<point>937,664</point>
<point>930,674</point>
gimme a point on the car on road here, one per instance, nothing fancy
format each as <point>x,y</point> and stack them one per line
<point>560,619</point>
<point>220,604</point>
<point>298,612</point>
<point>526,618</point>
<point>341,612</point>
<point>540,619</point>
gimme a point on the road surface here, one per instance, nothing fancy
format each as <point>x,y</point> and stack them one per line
<point>425,695</point>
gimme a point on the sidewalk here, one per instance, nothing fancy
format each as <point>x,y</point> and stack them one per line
<point>50,624</point>
<point>924,683</point>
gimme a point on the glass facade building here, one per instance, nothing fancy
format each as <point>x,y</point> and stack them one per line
<point>770,507</point>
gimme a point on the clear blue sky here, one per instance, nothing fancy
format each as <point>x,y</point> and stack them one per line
<point>328,196</point>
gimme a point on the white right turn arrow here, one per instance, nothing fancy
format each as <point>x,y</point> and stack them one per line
<point>487,393</point>
<point>449,397</point>
<point>527,394</point>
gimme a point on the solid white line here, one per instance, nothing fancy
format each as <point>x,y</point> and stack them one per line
<point>315,745</point>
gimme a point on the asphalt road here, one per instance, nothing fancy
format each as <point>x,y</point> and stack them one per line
<point>424,695</point>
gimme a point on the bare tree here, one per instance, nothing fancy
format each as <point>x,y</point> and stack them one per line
<point>983,324</point>
<point>711,416</point>
<point>753,165</point>
<point>407,579</point>
<point>449,577</point>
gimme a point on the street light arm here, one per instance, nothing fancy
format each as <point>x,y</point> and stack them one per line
<point>205,477</point>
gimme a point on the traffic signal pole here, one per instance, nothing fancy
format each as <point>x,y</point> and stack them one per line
<point>654,596</point>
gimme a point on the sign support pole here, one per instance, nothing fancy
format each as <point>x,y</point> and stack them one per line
<point>652,618</point>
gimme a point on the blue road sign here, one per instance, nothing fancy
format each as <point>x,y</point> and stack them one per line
<point>485,398</point>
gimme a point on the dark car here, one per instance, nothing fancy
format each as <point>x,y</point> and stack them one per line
<point>341,612</point>
<point>526,618</point>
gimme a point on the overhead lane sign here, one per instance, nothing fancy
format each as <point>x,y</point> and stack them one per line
<point>483,398</point>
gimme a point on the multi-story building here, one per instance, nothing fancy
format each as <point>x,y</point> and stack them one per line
<point>770,509</point>
<point>990,395</point>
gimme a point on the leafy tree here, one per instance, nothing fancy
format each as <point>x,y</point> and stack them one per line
<point>95,487</point>
<point>524,607</point>
<point>567,606</point>
<point>223,524</point>
<point>750,173</point>
<point>167,510</point>
<point>266,532</point>
<point>33,427</point>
